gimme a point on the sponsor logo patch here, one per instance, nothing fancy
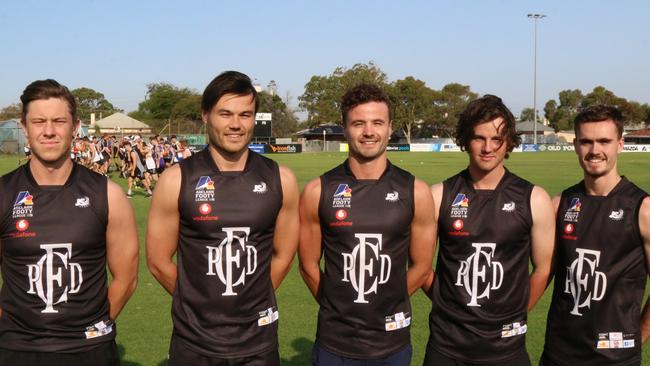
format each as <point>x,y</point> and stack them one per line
<point>458,226</point>
<point>617,215</point>
<point>204,190</point>
<point>24,205</point>
<point>260,188</point>
<point>568,231</point>
<point>22,225</point>
<point>268,316</point>
<point>82,202</point>
<point>99,329</point>
<point>514,329</point>
<point>205,209</point>
<point>397,321</point>
<point>392,196</point>
<point>613,340</point>
<point>508,207</point>
<point>459,206</point>
<point>572,214</point>
<point>342,196</point>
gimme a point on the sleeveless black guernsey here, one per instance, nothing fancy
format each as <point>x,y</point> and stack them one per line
<point>224,305</point>
<point>600,276</point>
<point>54,292</point>
<point>365,224</point>
<point>481,290</point>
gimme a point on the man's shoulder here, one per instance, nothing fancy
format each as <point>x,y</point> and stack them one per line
<point>462,175</point>
<point>517,179</point>
<point>337,171</point>
<point>263,160</point>
<point>633,188</point>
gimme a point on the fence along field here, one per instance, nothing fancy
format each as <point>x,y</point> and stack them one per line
<point>144,327</point>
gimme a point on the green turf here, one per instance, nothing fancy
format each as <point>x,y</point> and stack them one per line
<point>144,327</point>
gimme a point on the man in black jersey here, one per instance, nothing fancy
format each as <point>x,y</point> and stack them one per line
<point>373,222</point>
<point>603,255</point>
<point>61,226</point>
<point>490,223</point>
<point>231,216</point>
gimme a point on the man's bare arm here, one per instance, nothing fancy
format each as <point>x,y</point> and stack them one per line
<point>542,243</point>
<point>121,249</point>
<point>423,238</point>
<point>309,250</point>
<point>285,239</point>
<point>162,228</point>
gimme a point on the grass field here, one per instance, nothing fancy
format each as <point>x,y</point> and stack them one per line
<point>144,327</point>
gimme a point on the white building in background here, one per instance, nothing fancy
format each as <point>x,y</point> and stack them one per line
<point>120,123</point>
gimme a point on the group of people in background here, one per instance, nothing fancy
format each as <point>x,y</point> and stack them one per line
<point>139,159</point>
<point>225,224</point>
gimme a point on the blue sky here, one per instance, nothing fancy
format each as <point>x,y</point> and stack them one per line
<point>117,47</point>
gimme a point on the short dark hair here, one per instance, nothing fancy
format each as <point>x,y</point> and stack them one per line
<point>600,113</point>
<point>361,94</point>
<point>484,109</point>
<point>46,89</point>
<point>228,82</point>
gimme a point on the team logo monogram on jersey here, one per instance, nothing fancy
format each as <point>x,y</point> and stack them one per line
<point>260,188</point>
<point>365,268</point>
<point>23,205</point>
<point>583,282</point>
<point>342,197</point>
<point>204,190</point>
<point>232,260</point>
<point>573,212</point>
<point>479,274</point>
<point>459,206</point>
<point>49,274</point>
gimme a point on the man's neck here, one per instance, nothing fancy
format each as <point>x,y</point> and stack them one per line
<point>368,169</point>
<point>51,174</point>
<point>229,162</point>
<point>487,180</point>
<point>601,186</point>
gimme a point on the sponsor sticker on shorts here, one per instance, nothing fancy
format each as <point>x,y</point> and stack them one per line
<point>99,329</point>
<point>614,340</point>
<point>514,329</point>
<point>268,316</point>
<point>397,321</point>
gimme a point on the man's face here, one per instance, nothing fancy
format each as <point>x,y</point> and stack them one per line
<point>230,122</point>
<point>49,129</point>
<point>368,129</point>
<point>597,145</point>
<point>487,148</point>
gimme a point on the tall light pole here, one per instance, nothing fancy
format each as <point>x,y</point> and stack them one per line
<point>535,17</point>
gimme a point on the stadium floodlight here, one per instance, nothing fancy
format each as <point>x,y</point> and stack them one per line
<point>535,17</point>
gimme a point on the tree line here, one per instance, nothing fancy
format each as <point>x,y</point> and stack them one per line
<point>418,110</point>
